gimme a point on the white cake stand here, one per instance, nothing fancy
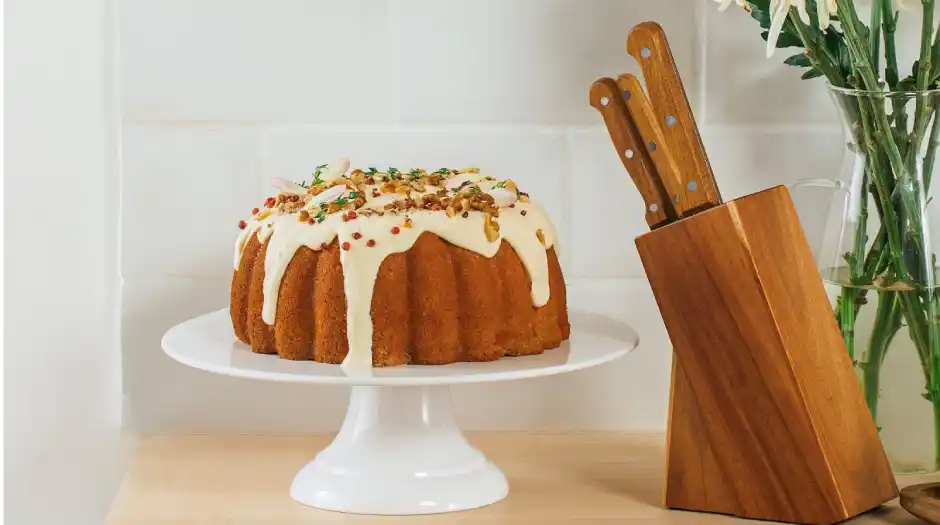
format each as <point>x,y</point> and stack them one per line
<point>399,450</point>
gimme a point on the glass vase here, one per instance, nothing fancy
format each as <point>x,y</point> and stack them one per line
<point>877,254</point>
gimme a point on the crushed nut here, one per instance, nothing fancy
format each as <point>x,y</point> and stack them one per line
<point>490,228</point>
<point>541,236</point>
<point>303,216</point>
<point>408,223</point>
<point>450,211</point>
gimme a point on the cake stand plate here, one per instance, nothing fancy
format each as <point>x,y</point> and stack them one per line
<point>399,450</point>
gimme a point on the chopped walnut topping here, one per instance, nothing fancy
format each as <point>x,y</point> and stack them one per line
<point>490,228</point>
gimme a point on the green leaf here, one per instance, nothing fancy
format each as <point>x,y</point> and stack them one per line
<point>760,11</point>
<point>786,39</point>
<point>372,171</point>
<point>892,76</point>
<point>800,60</point>
<point>353,195</point>
<point>442,171</point>
<point>812,73</point>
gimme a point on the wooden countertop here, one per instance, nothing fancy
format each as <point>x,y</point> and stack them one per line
<point>554,479</point>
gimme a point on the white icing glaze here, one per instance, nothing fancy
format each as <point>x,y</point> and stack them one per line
<point>285,234</point>
<point>503,196</point>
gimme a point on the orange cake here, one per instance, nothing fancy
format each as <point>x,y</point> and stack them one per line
<point>384,268</point>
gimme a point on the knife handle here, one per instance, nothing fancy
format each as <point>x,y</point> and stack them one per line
<point>648,45</point>
<point>659,149</point>
<point>607,99</point>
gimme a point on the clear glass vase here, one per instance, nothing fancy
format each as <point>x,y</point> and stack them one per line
<point>878,255</point>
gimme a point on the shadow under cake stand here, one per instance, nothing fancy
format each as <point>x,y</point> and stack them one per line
<point>399,450</point>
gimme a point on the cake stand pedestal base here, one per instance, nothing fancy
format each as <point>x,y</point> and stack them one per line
<point>399,451</point>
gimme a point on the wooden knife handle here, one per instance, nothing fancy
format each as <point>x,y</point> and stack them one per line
<point>648,45</point>
<point>659,149</point>
<point>606,98</point>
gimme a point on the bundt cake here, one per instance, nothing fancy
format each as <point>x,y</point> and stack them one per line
<point>398,267</point>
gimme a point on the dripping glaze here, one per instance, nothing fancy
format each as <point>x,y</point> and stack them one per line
<point>521,224</point>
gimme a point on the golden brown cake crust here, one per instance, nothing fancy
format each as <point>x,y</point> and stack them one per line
<point>433,304</point>
<point>392,267</point>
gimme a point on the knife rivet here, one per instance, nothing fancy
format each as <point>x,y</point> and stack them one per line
<point>628,153</point>
<point>654,207</point>
<point>604,101</point>
<point>670,121</point>
<point>627,95</point>
<point>692,185</point>
<point>645,52</point>
<point>651,147</point>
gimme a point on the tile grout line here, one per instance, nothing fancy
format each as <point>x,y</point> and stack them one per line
<point>267,128</point>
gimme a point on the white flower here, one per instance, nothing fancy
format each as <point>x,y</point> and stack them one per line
<point>725,3</point>
<point>826,9</point>
<point>779,9</point>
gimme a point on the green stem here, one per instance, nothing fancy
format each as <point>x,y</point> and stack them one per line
<point>874,38</point>
<point>931,156</point>
<point>926,40</point>
<point>887,323</point>
<point>936,434</point>
<point>846,318</point>
<point>818,56</point>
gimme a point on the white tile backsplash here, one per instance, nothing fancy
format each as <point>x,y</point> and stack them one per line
<point>220,95</point>
<point>185,189</point>
<point>521,61</point>
<point>276,60</point>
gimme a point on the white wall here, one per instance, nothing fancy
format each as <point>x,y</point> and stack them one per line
<point>220,95</point>
<point>64,451</point>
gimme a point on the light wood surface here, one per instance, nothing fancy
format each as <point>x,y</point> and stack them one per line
<point>554,479</point>
<point>608,100</point>
<point>648,45</point>
<point>767,399</point>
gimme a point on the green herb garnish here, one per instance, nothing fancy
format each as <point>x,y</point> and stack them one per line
<point>442,171</point>
<point>371,171</point>
<point>316,175</point>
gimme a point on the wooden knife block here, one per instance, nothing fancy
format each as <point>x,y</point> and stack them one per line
<point>767,419</point>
